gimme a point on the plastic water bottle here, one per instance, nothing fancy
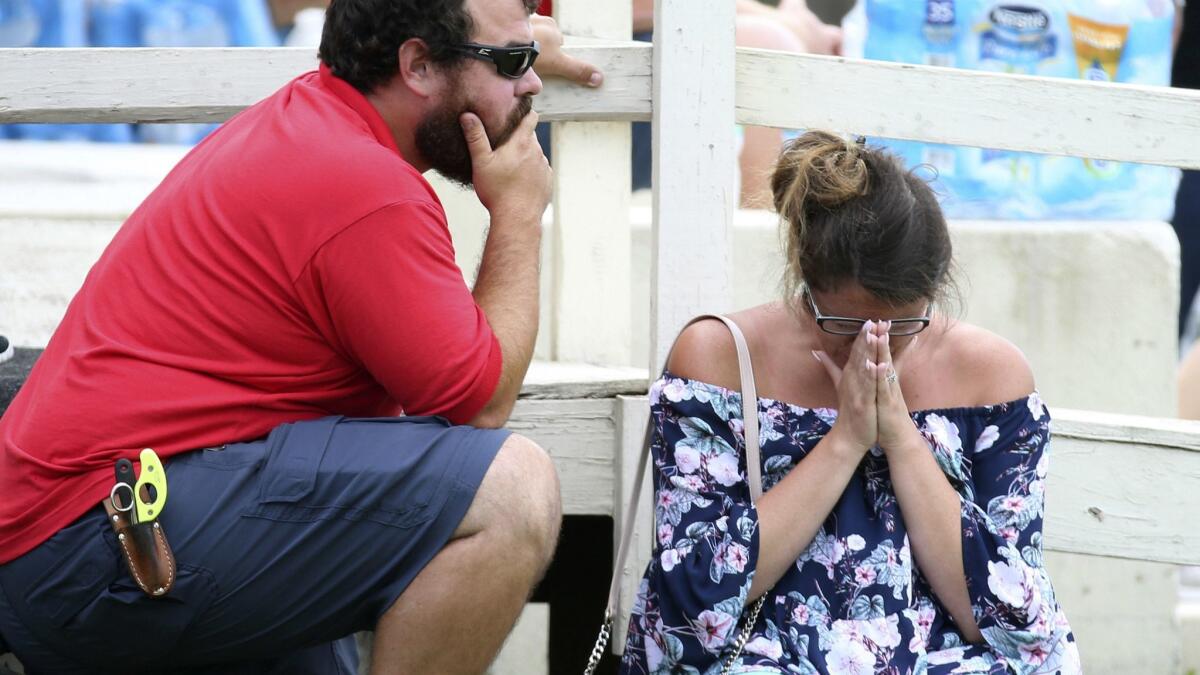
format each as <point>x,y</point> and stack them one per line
<point>940,36</point>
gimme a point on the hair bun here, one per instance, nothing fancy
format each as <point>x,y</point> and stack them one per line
<point>818,169</point>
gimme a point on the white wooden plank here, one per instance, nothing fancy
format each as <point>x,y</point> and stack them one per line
<point>695,190</point>
<point>213,84</point>
<point>141,85</point>
<point>1058,116</point>
<point>632,414</point>
<point>625,95</point>
<point>579,435</point>
<point>1154,125</point>
<point>559,380</point>
<point>1124,486</point>
<point>1090,425</point>
<point>591,317</point>
<point>1119,486</point>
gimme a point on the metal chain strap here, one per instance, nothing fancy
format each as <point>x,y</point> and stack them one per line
<point>601,643</point>
<point>744,636</point>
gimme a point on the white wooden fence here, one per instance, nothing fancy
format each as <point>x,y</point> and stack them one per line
<point>1120,487</point>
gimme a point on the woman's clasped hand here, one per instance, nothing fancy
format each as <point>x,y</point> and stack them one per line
<point>872,411</point>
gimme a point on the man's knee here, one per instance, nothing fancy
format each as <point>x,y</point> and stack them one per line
<point>519,497</point>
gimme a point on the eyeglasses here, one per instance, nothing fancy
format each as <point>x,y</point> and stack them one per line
<point>511,62</point>
<point>841,325</point>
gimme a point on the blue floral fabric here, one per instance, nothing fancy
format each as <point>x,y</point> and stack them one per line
<point>854,603</point>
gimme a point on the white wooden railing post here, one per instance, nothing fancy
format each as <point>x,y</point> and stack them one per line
<point>694,166</point>
<point>632,413</point>
<point>590,294</point>
<point>694,192</point>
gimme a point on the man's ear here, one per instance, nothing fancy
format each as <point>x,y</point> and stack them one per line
<point>416,70</point>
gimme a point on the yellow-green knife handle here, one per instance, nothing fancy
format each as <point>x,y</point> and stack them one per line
<point>152,474</point>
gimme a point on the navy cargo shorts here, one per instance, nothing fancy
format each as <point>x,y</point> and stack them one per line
<point>285,547</point>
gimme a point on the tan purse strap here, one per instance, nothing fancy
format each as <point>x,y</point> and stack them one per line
<point>753,464</point>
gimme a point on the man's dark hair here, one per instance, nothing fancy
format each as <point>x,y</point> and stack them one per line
<point>361,39</point>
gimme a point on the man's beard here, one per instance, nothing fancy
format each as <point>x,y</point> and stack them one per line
<point>441,142</point>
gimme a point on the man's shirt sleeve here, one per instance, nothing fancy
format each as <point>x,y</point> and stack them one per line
<point>393,300</point>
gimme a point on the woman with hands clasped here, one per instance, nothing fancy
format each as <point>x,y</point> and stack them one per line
<point>903,458</point>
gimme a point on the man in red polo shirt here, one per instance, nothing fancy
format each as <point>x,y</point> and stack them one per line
<point>282,320</point>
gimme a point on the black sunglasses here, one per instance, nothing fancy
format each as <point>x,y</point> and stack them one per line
<point>511,62</point>
<point>842,325</point>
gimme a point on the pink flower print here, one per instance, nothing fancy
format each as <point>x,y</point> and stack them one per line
<point>724,469</point>
<point>760,645</point>
<point>1013,503</point>
<point>986,439</point>
<point>713,629</point>
<point>1043,465</point>
<point>922,626</point>
<point>849,657</point>
<point>735,557</point>
<point>687,458</point>
<point>1036,407</point>
<point>1037,489</point>
<point>1014,585</point>
<point>925,617</point>
<point>665,499</point>
<point>665,532</point>
<point>669,559</point>
<point>847,630</point>
<point>883,632</point>
<point>676,391</point>
<point>691,482</point>
<point>800,615</point>
<point>943,433</point>
<point>1041,624</point>
<point>1034,654</point>
<point>864,575</point>
<point>1010,534</point>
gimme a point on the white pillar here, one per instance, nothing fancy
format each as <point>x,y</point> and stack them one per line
<point>591,315</point>
<point>694,166</point>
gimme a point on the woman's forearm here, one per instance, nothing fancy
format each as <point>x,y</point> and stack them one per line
<point>791,514</point>
<point>932,515</point>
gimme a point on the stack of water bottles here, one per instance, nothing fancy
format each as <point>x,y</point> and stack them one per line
<point>130,23</point>
<point>1099,40</point>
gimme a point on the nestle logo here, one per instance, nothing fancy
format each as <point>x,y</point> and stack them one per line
<point>1020,19</point>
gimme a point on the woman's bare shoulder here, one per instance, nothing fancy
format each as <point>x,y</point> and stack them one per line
<point>705,351</point>
<point>992,369</point>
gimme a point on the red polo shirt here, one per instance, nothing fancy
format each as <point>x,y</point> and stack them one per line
<point>292,266</point>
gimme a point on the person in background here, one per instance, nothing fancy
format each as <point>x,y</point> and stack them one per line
<point>283,322</point>
<point>790,27</point>
<point>903,459</point>
<point>1185,73</point>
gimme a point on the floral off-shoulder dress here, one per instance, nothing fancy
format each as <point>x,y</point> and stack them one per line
<point>854,603</point>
